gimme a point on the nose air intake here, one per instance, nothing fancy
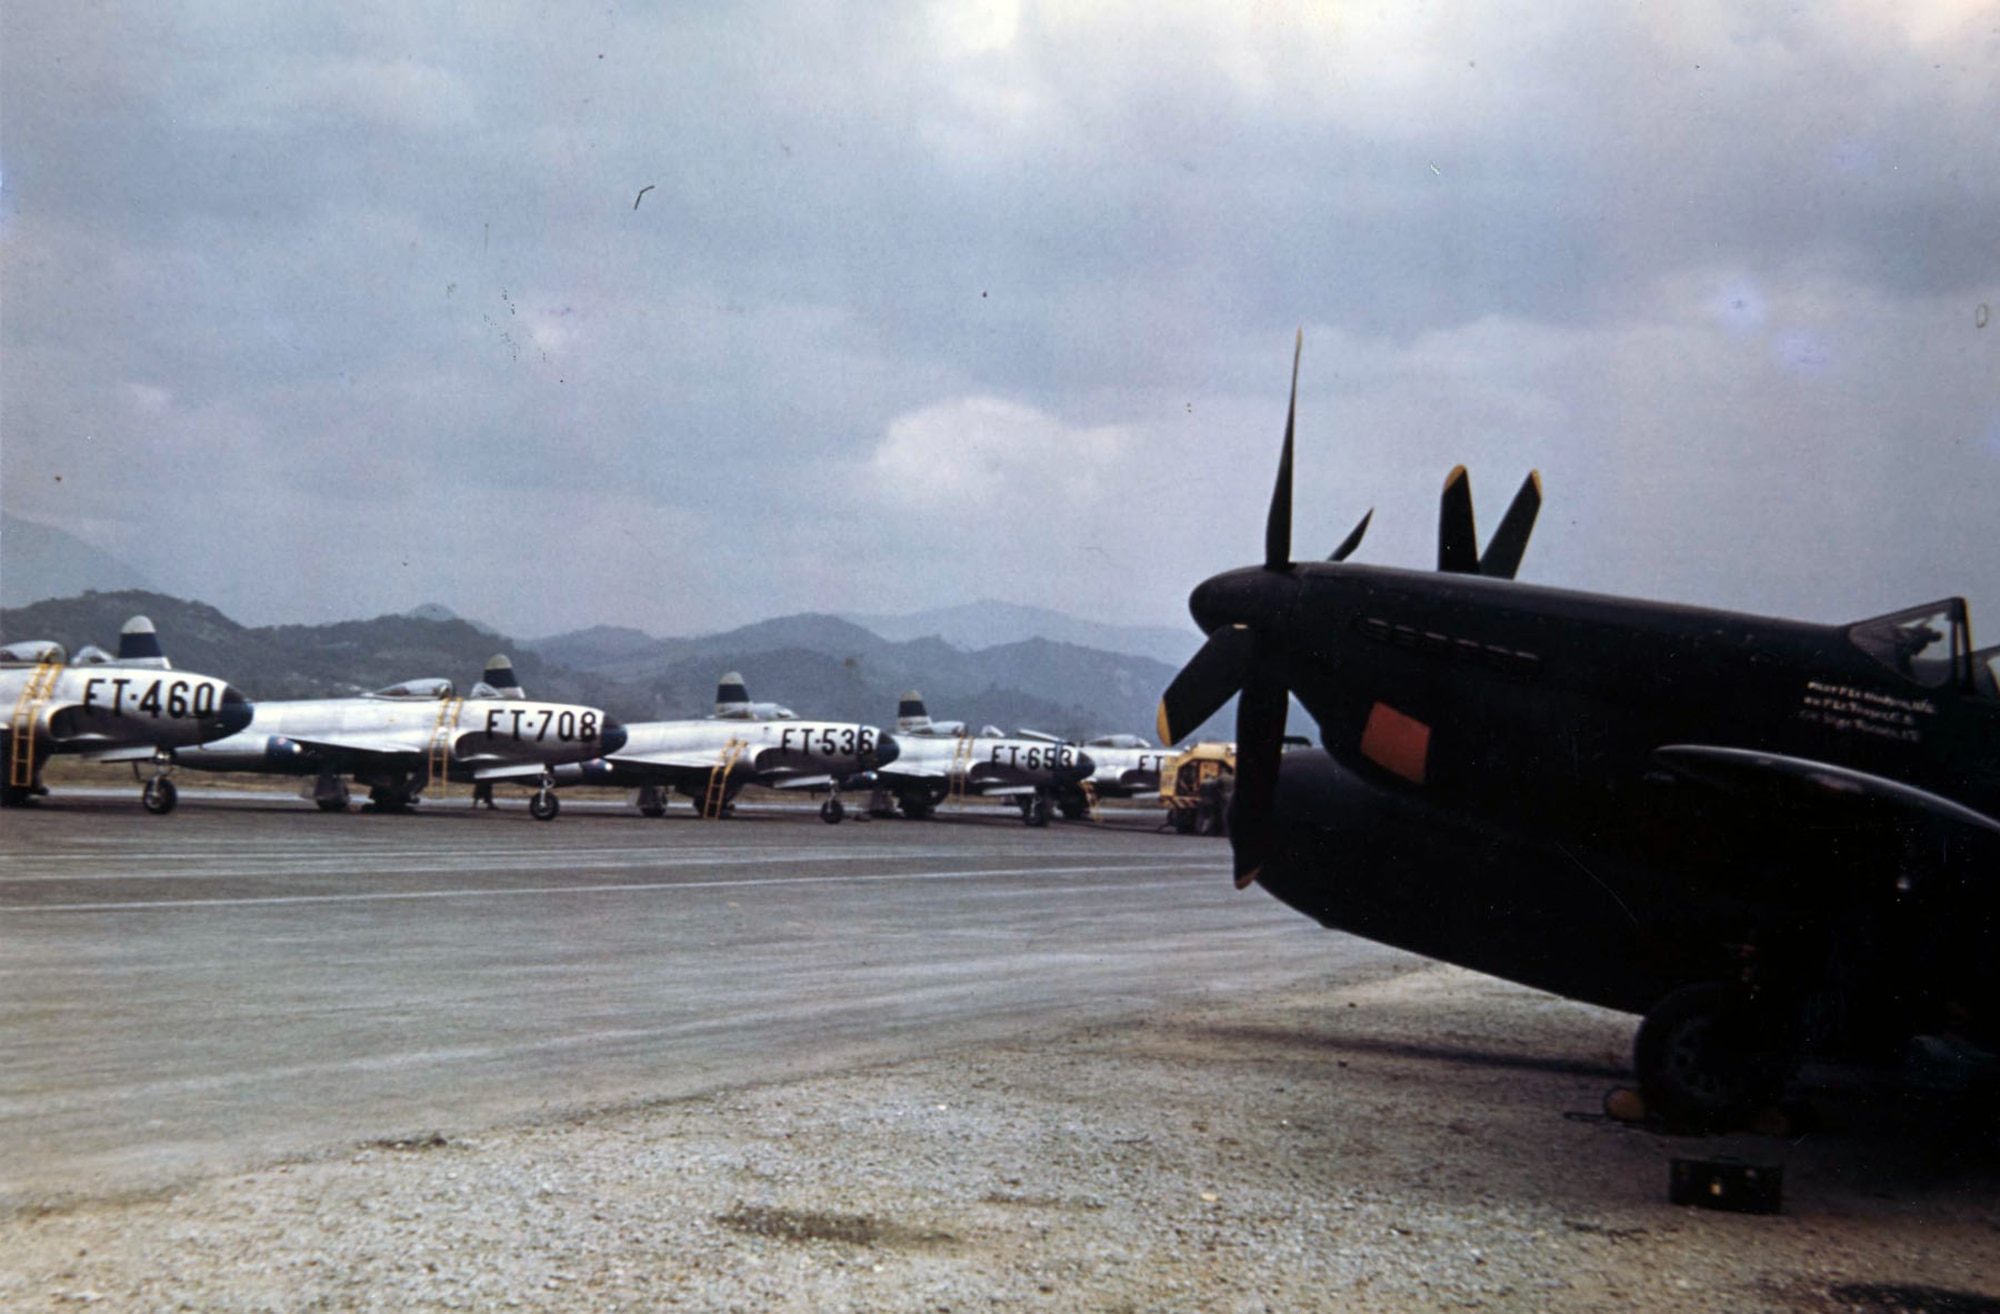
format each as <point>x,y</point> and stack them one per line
<point>612,737</point>
<point>887,750</point>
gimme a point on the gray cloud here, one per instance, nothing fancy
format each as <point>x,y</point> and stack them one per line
<point>330,313</point>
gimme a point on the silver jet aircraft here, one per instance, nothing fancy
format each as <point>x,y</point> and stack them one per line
<point>399,740</point>
<point>942,760</point>
<point>1128,766</point>
<point>711,759</point>
<point>130,708</point>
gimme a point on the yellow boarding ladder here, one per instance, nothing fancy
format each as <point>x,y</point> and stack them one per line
<point>21,732</point>
<point>439,764</point>
<point>718,778</point>
<point>961,767</point>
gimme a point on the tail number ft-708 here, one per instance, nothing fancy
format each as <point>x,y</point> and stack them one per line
<point>540,724</point>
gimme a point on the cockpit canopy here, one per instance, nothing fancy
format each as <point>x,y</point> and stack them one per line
<point>1117,741</point>
<point>91,655</point>
<point>1929,645</point>
<point>32,652</point>
<point>753,712</point>
<point>416,689</point>
<point>1986,672</point>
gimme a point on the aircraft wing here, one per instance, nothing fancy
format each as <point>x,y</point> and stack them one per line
<point>819,781</point>
<point>120,753</point>
<point>508,771</point>
<point>335,745</point>
<point>667,761</point>
<point>1750,774</point>
<point>919,772</point>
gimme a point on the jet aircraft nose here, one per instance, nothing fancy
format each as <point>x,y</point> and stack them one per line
<point>612,737</point>
<point>887,749</point>
<point>1077,772</point>
<point>236,711</point>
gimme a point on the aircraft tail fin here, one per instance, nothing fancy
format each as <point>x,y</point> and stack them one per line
<point>911,714</point>
<point>732,696</point>
<point>139,645</point>
<point>499,678</point>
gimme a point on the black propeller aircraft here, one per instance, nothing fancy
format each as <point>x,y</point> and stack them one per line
<point>1773,840</point>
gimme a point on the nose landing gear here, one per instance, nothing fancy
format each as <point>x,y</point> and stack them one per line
<point>159,795</point>
<point>544,805</point>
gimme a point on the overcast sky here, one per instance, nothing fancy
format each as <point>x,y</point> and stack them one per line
<point>681,317</point>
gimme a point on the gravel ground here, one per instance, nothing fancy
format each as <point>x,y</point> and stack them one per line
<point>1426,1141</point>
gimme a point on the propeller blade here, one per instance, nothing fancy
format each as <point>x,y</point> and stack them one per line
<point>1458,541</point>
<point>1278,525</point>
<point>1353,540</point>
<point>1211,677</point>
<point>1260,739</point>
<point>1503,555</point>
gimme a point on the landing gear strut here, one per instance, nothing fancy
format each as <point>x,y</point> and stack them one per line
<point>328,793</point>
<point>159,796</point>
<point>652,802</point>
<point>544,805</point>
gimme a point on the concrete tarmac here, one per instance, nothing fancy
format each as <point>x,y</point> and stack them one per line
<point>248,979</point>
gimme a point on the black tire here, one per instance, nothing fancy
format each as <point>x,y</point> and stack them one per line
<point>1073,810</point>
<point>16,796</point>
<point>330,804</point>
<point>915,809</point>
<point>652,803</point>
<point>544,805</point>
<point>159,796</point>
<point>832,811</point>
<point>1036,814</point>
<point>1709,1059</point>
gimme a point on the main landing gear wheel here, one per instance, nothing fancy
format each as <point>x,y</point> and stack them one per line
<point>159,796</point>
<point>1709,1058</point>
<point>651,802</point>
<point>831,812</point>
<point>1073,809</point>
<point>1036,813</point>
<point>915,809</point>
<point>544,805</point>
<point>331,804</point>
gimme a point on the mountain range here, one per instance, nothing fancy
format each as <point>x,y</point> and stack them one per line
<point>40,561</point>
<point>820,665</point>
